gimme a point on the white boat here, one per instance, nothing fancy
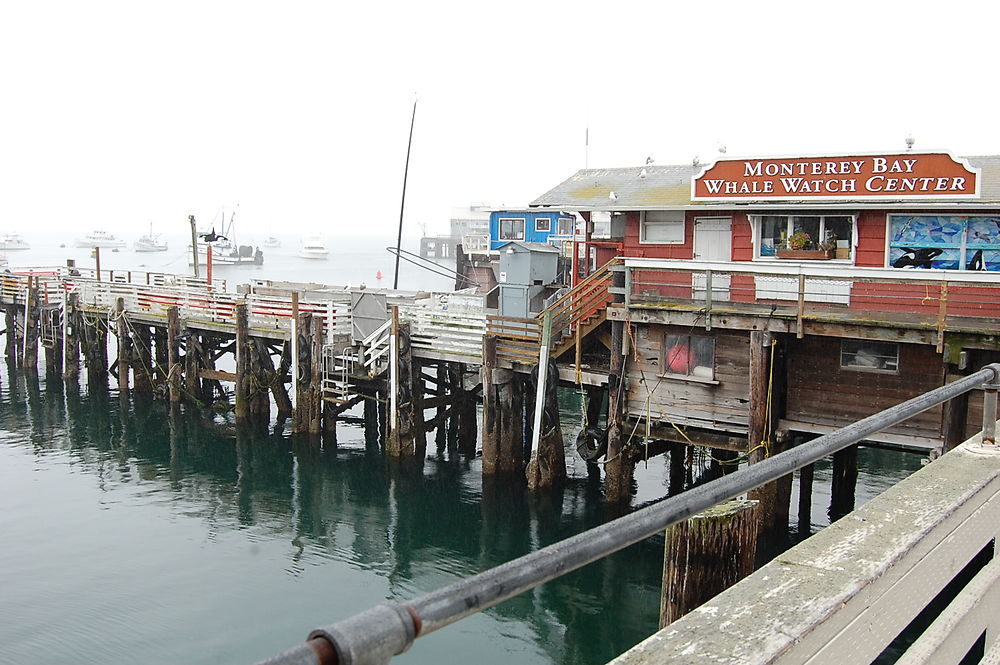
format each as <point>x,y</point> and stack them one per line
<point>150,242</point>
<point>272,242</point>
<point>313,248</point>
<point>12,241</point>
<point>100,239</point>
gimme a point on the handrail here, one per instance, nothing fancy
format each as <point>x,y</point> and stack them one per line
<point>375,635</point>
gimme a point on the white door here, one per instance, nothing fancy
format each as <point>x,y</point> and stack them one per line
<point>713,241</point>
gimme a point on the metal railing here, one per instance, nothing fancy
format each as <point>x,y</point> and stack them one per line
<point>375,635</point>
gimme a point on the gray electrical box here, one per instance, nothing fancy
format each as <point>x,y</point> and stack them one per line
<point>527,271</point>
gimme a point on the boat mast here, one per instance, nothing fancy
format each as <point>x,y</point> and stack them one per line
<point>402,203</point>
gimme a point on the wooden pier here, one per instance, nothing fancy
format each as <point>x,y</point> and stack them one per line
<point>426,359</point>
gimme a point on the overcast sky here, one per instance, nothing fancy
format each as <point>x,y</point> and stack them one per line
<point>118,114</point>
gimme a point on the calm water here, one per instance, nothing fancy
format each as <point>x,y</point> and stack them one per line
<point>129,534</point>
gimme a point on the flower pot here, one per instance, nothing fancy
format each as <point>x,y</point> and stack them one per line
<point>804,254</point>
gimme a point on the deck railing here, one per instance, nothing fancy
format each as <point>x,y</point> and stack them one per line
<point>938,300</point>
<point>963,490</point>
<point>435,332</point>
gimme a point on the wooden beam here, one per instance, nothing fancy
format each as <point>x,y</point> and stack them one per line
<point>216,375</point>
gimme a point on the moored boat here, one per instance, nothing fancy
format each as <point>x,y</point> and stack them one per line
<point>10,241</point>
<point>151,242</point>
<point>313,248</point>
<point>100,238</point>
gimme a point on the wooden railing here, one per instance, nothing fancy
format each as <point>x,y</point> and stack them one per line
<point>435,333</point>
<point>936,299</point>
<point>517,339</point>
<point>924,548</point>
<point>586,302</point>
<point>195,304</point>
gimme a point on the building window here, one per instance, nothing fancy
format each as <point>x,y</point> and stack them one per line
<point>689,355</point>
<point>662,227</point>
<point>867,356</point>
<point>511,229</point>
<point>773,231</point>
<point>565,226</point>
<point>944,242</point>
<point>543,224</point>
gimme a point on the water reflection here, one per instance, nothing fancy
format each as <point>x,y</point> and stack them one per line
<point>418,528</point>
<point>344,509</point>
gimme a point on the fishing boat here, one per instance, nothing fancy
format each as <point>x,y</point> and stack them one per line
<point>150,242</point>
<point>313,248</point>
<point>100,239</point>
<point>9,241</point>
<point>225,250</point>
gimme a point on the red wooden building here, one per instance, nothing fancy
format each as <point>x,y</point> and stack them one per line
<point>870,279</point>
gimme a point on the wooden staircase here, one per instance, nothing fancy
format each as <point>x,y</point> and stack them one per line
<point>581,310</point>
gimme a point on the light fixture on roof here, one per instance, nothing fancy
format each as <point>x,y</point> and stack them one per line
<point>613,196</point>
<point>722,149</point>
<point>909,142</point>
<point>696,161</point>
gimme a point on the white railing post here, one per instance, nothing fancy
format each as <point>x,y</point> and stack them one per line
<point>543,373</point>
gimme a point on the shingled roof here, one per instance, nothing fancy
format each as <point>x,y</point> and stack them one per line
<point>656,187</point>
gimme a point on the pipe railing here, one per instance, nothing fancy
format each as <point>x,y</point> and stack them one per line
<point>375,635</point>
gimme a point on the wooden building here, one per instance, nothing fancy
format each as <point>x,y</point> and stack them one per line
<point>867,280</point>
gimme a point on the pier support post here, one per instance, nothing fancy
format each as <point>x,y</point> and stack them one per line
<point>161,358</point>
<point>316,376</point>
<point>956,410</point>
<point>29,354</point>
<point>547,466</point>
<point>805,498</point>
<point>765,392</point>
<point>281,398</point>
<point>95,344</point>
<point>261,378</point>
<point>173,355</point>
<point>71,340</point>
<point>54,347</point>
<point>142,359</point>
<point>10,317</point>
<point>406,426</point>
<point>618,467</point>
<point>124,353</point>
<point>464,411</point>
<point>242,366</point>
<point>503,416</point>
<point>307,398</point>
<point>705,555</point>
<point>192,353</point>
<point>844,482</point>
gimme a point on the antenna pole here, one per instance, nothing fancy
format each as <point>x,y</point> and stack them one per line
<point>402,203</point>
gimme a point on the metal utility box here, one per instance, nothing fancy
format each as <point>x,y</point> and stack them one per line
<point>527,270</point>
<point>369,310</point>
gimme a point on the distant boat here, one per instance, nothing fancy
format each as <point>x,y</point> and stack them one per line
<point>272,242</point>
<point>313,248</point>
<point>12,241</point>
<point>99,239</point>
<point>225,251</point>
<point>150,242</point>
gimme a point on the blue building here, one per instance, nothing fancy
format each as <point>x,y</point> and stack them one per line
<point>530,225</point>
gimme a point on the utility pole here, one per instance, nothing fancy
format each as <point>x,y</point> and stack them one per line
<point>194,244</point>
<point>402,204</point>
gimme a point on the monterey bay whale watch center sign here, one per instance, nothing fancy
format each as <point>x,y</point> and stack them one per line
<point>884,176</point>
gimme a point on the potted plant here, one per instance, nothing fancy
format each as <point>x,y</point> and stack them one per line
<point>800,245</point>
